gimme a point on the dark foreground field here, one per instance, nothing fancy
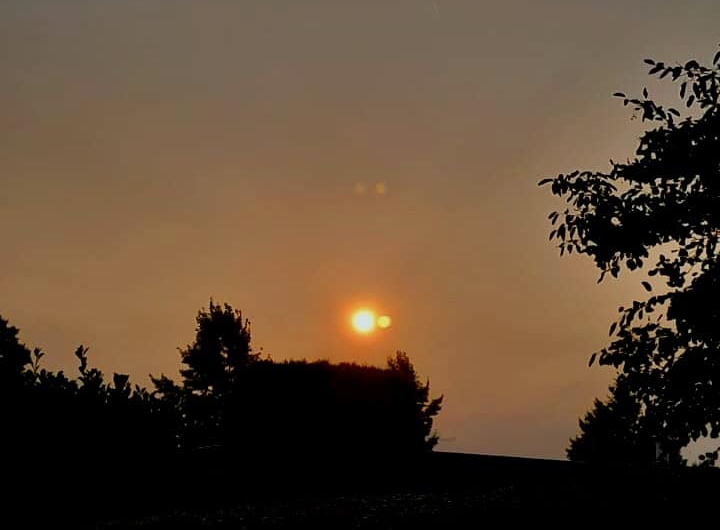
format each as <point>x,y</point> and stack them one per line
<point>438,490</point>
<point>447,490</point>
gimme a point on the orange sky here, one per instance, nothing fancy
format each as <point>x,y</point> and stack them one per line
<point>155,154</point>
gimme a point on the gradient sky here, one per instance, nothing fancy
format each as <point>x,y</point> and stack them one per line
<point>157,153</point>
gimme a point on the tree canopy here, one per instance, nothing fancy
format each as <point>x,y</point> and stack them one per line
<point>660,212</point>
<point>221,350</point>
<point>612,432</point>
<point>231,397</point>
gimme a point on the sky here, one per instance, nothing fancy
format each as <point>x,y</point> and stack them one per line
<point>156,154</point>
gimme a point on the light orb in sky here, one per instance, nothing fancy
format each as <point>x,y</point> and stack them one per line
<point>363,321</point>
<point>384,321</point>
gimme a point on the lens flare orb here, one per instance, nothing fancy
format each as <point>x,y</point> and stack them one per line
<point>384,321</point>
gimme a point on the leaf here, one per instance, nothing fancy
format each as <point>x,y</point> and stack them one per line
<point>612,328</point>
<point>544,181</point>
<point>619,95</point>
<point>690,101</point>
<point>649,61</point>
<point>647,286</point>
<point>716,59</point>
<point>683,88</point>
<point>645,92</point>
<point>592,359</point>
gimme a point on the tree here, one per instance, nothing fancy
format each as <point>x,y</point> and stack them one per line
<point>215,363</point>
<point>613,432</point>
<point>221,350</point>
<point>660,212</point>
<point>417,409</point>
<point>14,357</point>
<point>332,411</point>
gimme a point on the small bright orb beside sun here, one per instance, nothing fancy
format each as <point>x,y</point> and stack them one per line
<point>365,321</point>
<point>384,321</point>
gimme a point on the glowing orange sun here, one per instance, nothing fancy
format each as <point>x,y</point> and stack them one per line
<point>363,321</point>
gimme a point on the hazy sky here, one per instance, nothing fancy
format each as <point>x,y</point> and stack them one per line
<point>156,153</point>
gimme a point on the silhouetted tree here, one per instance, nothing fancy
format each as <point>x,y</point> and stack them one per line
<point>214,363</point>
<point>221,350</point>
<point>14,357</point>
<point>662,207</point>
<point>416,406</point>
<point>14,361</point>
<point>323,409</point>
<point>613,432</point>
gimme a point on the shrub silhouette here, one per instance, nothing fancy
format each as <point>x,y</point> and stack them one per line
<point>77,438</point>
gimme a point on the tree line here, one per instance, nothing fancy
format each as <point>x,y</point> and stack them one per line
<point>233,412</point>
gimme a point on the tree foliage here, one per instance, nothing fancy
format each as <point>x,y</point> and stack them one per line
<point>78,443</point>
<point>220,352</point>
<point>327,410</point>
<point>612,432</point>
<point>660,212</point>
<point>415,404</point>
<point>14,356</point>
<point>214,365</point>
<point>231,397</point>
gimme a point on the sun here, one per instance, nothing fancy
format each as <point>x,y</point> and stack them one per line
<point>363,321</point>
